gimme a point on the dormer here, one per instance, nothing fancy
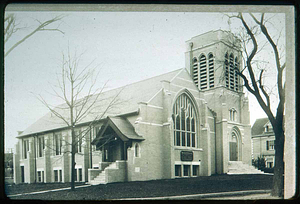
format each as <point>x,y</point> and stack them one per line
<point>268,127</point>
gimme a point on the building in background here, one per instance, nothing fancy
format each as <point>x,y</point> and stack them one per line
<point>263,141</point>
<point>189,122</point>
<point>8,165</point>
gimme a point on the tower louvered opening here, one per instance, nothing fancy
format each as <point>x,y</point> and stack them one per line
<point>211,70</point>
<point>226,70</point>
<point>195,72</point>
<point>203,72</point>
<point>236,79</point>
<point>231,72</point>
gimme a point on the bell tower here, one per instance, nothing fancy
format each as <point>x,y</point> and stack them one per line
<point>213,59</point>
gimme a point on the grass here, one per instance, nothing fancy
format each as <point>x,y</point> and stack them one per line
<point>155,188</point>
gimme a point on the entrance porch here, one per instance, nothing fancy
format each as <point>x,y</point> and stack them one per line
<point>113,140</point>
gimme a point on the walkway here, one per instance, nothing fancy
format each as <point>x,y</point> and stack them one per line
<point>46,191</point>
<point>235,195</point>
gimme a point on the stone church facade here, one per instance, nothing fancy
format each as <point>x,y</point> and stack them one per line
<point>189,122</point>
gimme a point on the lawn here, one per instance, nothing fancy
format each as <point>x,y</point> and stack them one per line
<point>155,188</point>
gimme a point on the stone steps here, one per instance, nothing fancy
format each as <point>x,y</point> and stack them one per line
<point>238,167</point>
<point>100,179</point>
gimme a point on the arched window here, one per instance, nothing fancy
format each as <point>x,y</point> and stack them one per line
<point>137,150</point>
<point>184,122</point>
<point>232,114</point>
<point>203,72</point>
<point>233,137</point>
<point>211,70</point>
<point>195,71</point>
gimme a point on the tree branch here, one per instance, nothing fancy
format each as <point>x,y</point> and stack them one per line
<point>263,90</point>
<point>39,28</point>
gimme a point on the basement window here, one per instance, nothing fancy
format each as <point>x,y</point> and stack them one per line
<point>178,170</point>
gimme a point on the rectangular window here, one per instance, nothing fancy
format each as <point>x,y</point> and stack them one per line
<point>186,170</point>
<point>178,170</point>
<point>60,175</point>
<point>25,148</point>
<point>41,146</point>
<point>195,170</point>
<point>177,138</point>
<point>183,138</point>
<point>188,140</point>
<point>56,175</point>
<point>270,165</point>
<point>39,176</point>
<point>75,175</point>
<point>193,140</point>
<point>58,144</point>
<point>78,142</point>
<point>43,176</point>
<point>80,174</point>
<point>270,145</point>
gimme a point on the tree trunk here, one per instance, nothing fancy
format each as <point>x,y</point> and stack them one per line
<point>72,159</point>
<point>278,179</point>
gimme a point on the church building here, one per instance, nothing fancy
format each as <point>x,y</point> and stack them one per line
<point>190,122</point>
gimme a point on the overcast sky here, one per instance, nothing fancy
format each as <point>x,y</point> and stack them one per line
<point>126,46</point>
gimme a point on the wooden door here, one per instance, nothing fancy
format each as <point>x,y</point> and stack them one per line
<point>22,174</point>
<point>233,151</point>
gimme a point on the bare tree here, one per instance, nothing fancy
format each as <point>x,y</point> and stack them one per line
<point>253,74</point>
<point>12,27</point>
<point>73,83</point>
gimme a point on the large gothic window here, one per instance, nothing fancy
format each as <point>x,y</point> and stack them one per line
<point>184,121</point>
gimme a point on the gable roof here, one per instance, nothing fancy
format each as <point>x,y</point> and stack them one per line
<point>127,101</point>
<point>121,126</point>
<point>125,128</point>
<point>258,127</point>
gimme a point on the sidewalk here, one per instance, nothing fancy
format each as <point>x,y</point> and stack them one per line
<point>46,191</point>
<point>264,196</point>
<point>236,195</point>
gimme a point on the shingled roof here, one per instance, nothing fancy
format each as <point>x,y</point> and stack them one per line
<point>258,126</point>
<point>127,101</point>
<point>121,126</point>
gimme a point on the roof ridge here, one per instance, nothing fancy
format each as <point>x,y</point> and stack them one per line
<point>135,86</point>
<point>145,79</point>
<point>116,88</point>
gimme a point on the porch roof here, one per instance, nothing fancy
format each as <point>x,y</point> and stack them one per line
<point>121,126</point>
